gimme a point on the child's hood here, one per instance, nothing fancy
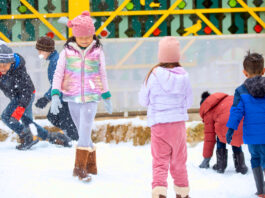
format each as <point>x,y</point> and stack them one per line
<point>256,86</point>
<point>210,102</point>
<point>172,80</point>
<point>19,62</point>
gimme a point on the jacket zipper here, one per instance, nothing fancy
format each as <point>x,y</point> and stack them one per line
<point>82,78</point>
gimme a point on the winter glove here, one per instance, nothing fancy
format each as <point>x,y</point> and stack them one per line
<point>42,102</point>
<point>18,113</point>
<point>108,105</point>
<point>205,163</point>
<point>56,104</point>
<point>229,135</point>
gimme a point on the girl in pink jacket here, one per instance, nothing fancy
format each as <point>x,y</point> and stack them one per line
<point>167,94</point>
<point>81,76</point>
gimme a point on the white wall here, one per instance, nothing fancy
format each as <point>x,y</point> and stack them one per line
<point>214,64</point>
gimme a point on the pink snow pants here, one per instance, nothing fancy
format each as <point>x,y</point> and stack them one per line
<point>169,149</point>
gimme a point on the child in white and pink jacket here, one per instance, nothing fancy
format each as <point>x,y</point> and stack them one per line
<point>81,77</point>
<point>167,94</point>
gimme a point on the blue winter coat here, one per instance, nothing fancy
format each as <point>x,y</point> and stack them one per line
<point>53,58</point>
<point>249,102</point>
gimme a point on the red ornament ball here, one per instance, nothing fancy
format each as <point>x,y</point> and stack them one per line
<point>207,30</point>
<point>104,33</point>
<point>157,32</point>
<point>258,28</point>
<point>50,34</point>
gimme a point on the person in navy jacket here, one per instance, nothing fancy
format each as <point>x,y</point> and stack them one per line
<point>17,85</point>
<point>249,103</point>
<point>63,120</point>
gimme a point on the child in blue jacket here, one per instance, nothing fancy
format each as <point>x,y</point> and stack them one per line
<point>63,120</point>
<point>249,102</point>
<point>17,85</point>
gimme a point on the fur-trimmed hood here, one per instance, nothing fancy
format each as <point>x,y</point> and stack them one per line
<point>256,86</point>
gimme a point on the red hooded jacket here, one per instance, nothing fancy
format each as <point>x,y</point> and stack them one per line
<point>215,111</point>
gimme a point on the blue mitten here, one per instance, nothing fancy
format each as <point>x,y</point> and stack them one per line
<point>229,135</point>
<point>108,105</point>
<point>56,104</point>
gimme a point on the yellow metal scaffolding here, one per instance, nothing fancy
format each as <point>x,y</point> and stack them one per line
<point>77,6</point>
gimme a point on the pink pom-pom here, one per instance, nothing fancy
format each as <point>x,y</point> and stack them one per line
<point>86,13</point>
<point>69,24</point>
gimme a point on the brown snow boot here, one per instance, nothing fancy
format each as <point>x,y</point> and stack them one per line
<point>179,196</point>
<point>80,164</point>
<point>159,192</point>
<point>182,192</point>
<point>92,162</point>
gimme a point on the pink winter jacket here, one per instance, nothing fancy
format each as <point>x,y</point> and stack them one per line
<point>80,74</point>
<point>168,95</point>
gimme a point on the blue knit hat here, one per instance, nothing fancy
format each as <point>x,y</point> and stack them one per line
<point>6,54</point>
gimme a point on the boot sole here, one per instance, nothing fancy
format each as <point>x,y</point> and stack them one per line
<point>86,180</point>
<point>28,146</point>
<point>243,173</point>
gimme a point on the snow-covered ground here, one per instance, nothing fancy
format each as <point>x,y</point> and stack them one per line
<point>125,171</point>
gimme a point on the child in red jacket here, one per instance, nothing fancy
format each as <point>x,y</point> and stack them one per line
<point>214,111</point>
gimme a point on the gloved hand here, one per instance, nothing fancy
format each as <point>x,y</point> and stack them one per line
<point>229,135</point>
<point>56,104</point>
<point>42,102</point>
<point>108,105</point>
<point>205,163</point>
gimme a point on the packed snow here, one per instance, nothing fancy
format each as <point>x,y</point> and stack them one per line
<point>125,171</point>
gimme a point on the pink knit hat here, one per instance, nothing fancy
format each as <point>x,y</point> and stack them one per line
<point>82,25</point>
<point>169,51</point>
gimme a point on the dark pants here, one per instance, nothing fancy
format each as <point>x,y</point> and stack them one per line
<point>257,152</point>
<point>63,120</point>
<point>26,119</point>
<point>223,145</point>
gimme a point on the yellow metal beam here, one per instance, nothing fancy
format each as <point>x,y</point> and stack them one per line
<point>252,13</point>
<point>2,36</point>
<point>112,16</point>
<point>161,12</point>
<point>76,8</point>
<point>162,18</point>
<point>32,16</point>
<point>41,17</point>
<point>136,13</point>
<point>209,23</point>
<point>142,2</point>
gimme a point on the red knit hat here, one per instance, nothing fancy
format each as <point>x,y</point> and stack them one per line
<point>169,50</point>
<point>82,25</point>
